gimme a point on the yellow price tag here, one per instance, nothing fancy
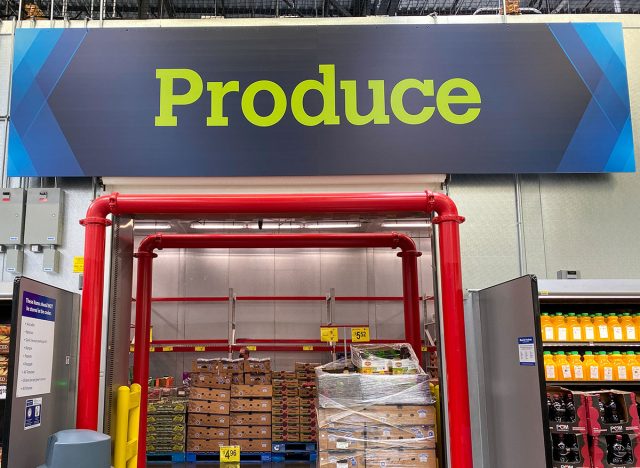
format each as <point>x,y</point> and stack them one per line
<point>251,348</point>
<point>307,348</point>
<point>200,348</point>
<point>132,348</point>
<point>328,334</point>
<point>152,349</point>
<point>167,349</point>
<point>78,264</point>
<point>360,334</point>
<point>543,292</point>
<point>424,349</point>
<point>230,454</point>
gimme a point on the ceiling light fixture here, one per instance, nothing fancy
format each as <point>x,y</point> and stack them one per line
<point>151,226</point>
<point>330,225</point>
<point>406,224</point>
<point>218,226</point>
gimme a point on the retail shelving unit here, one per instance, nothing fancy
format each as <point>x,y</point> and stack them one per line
<point>592,296</point>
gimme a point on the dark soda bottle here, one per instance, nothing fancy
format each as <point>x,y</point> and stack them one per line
<point>575,451</point>
<point>552,413</point>
<point>562,451</point>
<point>616,451</point>
<point>627,445</point>
<point>559,408</point>
<point>611,415</point>
<point>570,415</point>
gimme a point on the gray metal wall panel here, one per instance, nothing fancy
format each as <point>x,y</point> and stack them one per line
<point>6,54</point>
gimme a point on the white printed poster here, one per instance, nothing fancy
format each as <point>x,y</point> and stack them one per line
<point>36,345</point>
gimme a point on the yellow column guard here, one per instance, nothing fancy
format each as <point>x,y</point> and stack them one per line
<point>125,451</point>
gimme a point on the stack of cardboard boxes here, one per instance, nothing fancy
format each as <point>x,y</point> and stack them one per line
<point>166,423</point>
<point>251,407</point>
<point>308,391</point>
<point>209,396</point>
<point>285,412</point>
<point>376,413</point>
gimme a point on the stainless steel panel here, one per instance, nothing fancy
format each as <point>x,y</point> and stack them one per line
<point>6,59</point>
<point>27,448</point>
<point>118,331</point>
<point>513,393</point>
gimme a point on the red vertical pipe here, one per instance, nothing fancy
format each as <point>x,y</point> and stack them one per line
<point>143,340</point>
<point>411,298</point>
<point>458,411</point>
<point>91,324</point>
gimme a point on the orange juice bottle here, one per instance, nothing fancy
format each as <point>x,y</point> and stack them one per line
<point>588,330</point>
<point>628,327</point>
<point>615,328</point>
<point>634,365</point>
<point>550,368</point>
<point>563,366</point>
<point>619,366</point>
<point>606,369</point>
<point>591,366</point>
<point>636,320</point>
<point>574,328</point>
<point>577,366</point>
<point>560,326</point>
<point>546,325</point>
<point>602,330</point>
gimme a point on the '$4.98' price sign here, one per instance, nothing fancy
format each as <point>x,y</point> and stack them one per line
<point>230,454</point>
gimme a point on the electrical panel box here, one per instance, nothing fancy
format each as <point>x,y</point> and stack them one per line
<point>45,209</point>
<point>13,262</point>
<point>11,216</point>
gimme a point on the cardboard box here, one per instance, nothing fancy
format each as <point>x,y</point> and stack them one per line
<point>285,402</point>
<point>398,415</point>
<point>602,405</point>
<point>171,437</point>
<point>558,420</point>
<point>391,458</point>
<point>252,445</point>
<point>211,380</point>
<point>250,432</point>
<point>257,366</point>
<point>283,375</point>
<point>208,407</point>
<point>165,428</point>
<point>289,393</point>
<point>257,379</point>
<point>292,411</point>
<point>237,379</point>
<point>341,459</point>
<point>165,419</point>
<point>408,437</point>
<point>306,366</point>
<point>567,458</point>
<point>209,394</point>
<point>285,420</point>
<point>208,420</point>
<point>340,437</point>
<point>251,391</point>
<point>293,437</point>
<point>251,419</point>
<point>218,365</point>
<point>603,453</point>
<point>167,406</point>
<point>203,445</point>
<point>308,419</point>
<point>154,447</point>
<point>196,432</point>
<point>250,404</point>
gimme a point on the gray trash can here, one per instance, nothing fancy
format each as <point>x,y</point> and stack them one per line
<point>78,448</point>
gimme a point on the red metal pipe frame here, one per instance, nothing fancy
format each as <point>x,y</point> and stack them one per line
<point>276,205</point>
<point>152,242</point>
<point>281,298</point>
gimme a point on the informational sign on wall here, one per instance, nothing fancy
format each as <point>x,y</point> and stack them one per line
<point>36,345</point>
<point>320,100</point>
<point>33,413</point>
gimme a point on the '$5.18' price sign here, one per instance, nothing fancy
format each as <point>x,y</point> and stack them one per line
<point>230,454</point>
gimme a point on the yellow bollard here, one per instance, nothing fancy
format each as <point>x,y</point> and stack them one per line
<point>125,451</point>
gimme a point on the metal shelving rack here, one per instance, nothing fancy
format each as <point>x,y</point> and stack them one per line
<point>590,296</point>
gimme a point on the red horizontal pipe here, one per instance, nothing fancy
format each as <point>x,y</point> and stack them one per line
<point>280,298</point>
<point>190,299</point>
<point>195,342</point>
<point>222,241</point>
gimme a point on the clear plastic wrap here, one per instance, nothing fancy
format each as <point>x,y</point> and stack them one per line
<point>339,388</point>
<point>375,419</point>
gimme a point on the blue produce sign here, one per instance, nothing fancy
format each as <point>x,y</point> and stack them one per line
<point>320,100</point>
